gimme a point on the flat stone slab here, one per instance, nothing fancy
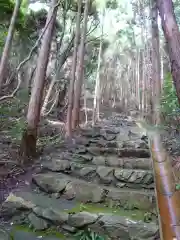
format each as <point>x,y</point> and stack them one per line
<point>113,226</point>
<point>73,188</point>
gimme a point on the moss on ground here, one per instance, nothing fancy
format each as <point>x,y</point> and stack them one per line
<point>99,208</point>
<point>49,232</point>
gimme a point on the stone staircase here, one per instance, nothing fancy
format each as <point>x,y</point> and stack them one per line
<point>104,181</point>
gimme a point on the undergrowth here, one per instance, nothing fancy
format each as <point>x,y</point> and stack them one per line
<point>170,108</point>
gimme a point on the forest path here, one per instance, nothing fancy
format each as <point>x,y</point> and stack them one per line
<point>104,180</point>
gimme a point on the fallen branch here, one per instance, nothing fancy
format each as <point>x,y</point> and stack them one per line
<point>27,59</point>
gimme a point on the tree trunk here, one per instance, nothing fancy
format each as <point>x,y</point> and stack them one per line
<point>48,94</point>
<point>74,64</point>
<point>77,95</point>
<point>8,42</point>
<point>172,35</point>
<point>97,86</point>
<point>156,65</point>
<point>28,144</point>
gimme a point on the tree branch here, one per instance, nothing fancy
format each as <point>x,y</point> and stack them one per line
<point>28,58</point>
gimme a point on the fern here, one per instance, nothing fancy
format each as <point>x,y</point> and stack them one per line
<point>87,235</point>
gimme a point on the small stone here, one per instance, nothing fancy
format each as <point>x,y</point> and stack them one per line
<point>82,219</point>
<point>84,191</point>
<point>4,235</point>
<point>95,150</point>
<point>50,182</point>
<point>37,223</point>
<point>109,137</point>
<point>99,160</point>
<point>56,195</point>
<point>105,173</point>
<point>51,214</point>
<point>87,170</point>
<point>57,165</point>
<point>69,228</point>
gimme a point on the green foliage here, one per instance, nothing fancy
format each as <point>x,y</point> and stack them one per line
<point>88,235</point>
<point>169,102</point>
<point>12,119</point>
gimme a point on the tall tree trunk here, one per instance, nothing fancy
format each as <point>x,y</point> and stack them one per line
<point>28,144</point>
<point>8,42</point>
<point>74,64</point>
<point>77,95</point>
<point>97,86</point>
<point>172,35</point>
<point>156,65</point>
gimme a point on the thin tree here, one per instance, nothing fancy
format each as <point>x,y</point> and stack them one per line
<point>79,81</point>
<point>172,35</point>
<point>8,42</point>
<point>97,86</point>
<point>29,139</point>
<point>73,73</point>
<point>156,64</point>
<point>165,183</point>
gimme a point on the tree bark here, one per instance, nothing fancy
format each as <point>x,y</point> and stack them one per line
<point>28,144</point>
<point>156,64</point>
<point>172,35</point>
<point>8,42</point>
<point>77,95</point>
<point>97,86</point>
<point>74,64</point>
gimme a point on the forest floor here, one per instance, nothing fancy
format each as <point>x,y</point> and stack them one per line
<point>102,180</point>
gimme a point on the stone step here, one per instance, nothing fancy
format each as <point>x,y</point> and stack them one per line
<point>43,212</point>
<point>73,188</point>
<point>117,177</point>
<point>121,152</point>
<point>110,161</point>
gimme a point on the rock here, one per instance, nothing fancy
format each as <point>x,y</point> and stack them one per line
<point>88,170</point>
<point>131,199</point>
<point>4,235</point>
<point>132,152</point>
<point>85,158</point>
<point>51,182</point>
<point>15,205</point>
<point>57,165</point>
<point>105,173</point>
<point>82,219</point>
<point>114,161</point>
<point>95,150</point>
<point>91,133</point>
<point>143,230</point>
<point>84,191</point>
<point>9,209</point>
<point>82,141</point>
<point>117,227</point>
<point>109,137</point>
<point>129,163</point>
<point>138,163</point>
<point>134,176</point>
<point>134,144</point>
<point>99,160</point>
<point>113,226</point>
<point>69,228</point>
<point>81,150</point>
<point>51,214</point>
<point>37,223</point>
